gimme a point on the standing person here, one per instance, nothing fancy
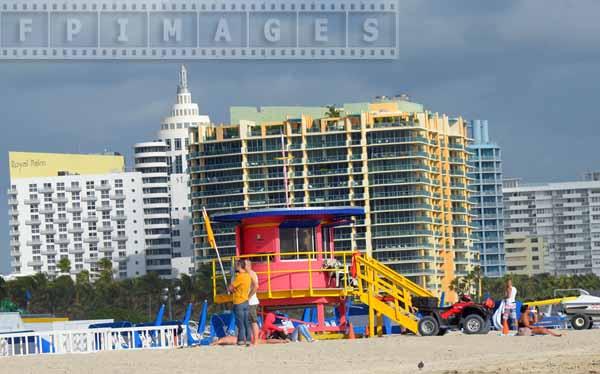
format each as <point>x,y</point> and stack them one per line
<point>510,305</point>
<point>253,302</point>
<point>240,286</point>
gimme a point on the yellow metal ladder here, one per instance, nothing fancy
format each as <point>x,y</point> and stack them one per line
<point>386,293</point>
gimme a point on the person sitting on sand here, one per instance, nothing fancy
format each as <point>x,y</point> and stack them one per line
<point>232,340</point>
<point>526,324</point>
<point>286,331</point>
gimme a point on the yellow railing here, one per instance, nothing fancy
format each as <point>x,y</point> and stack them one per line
<point>381,288</point>
<point>341,272</point>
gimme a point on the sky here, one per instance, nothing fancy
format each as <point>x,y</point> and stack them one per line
<point>530,67</point>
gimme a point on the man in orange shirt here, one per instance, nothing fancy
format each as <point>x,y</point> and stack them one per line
<point>240,286</point>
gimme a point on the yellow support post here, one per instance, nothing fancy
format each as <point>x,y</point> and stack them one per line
<point>310,282</point>
<point>379,324</point>
<point>371,302</point>
<point>269,276</point>
<point>214,279</point>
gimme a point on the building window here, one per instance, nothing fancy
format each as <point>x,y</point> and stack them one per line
<point>296,240</point>
<point>178,165</point>
<point>177,144</point>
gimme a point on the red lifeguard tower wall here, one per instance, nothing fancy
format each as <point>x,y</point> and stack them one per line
<point>287,268</point>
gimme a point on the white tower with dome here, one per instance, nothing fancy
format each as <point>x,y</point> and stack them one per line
<point>175,127</point>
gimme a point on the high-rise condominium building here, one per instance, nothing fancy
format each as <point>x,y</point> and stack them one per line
<point>77,207</point>
<point>564,218</point>
<point>488,223</point>
<point>525,255</point>
<point>151,162</point>
<point>163,162</point>
<point>406,166</point>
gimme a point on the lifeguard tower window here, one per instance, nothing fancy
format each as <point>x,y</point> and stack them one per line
<point>296,240</point>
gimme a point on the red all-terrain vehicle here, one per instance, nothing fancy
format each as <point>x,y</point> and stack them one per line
<point>471,317</point>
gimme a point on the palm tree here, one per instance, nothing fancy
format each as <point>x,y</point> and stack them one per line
<point>64,265</point>
<point>332,112</point>
<point>105,267</point>
<point>83,277</point>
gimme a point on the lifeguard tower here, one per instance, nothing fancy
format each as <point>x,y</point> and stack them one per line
<point>292,252</point>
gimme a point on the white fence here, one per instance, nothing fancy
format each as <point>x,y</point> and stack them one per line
<point>91,340</point>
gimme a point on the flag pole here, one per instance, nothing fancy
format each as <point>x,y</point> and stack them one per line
<point>213,243</point>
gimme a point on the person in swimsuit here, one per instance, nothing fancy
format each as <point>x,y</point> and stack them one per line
<point>526,324</point>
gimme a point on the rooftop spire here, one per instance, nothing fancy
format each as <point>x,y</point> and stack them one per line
<point>183,86</point>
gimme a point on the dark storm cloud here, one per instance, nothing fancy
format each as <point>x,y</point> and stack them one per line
<point>531,67</point>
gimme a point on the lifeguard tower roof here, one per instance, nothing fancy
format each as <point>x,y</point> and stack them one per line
<point>335,213</point>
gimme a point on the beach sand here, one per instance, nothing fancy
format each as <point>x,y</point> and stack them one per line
<point>576,352</point>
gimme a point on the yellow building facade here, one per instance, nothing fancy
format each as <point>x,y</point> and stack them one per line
<point>32,165</point>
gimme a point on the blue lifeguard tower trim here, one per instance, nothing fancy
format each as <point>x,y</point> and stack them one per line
<point>337,212</point>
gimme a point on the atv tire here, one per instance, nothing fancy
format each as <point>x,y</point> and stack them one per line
<point>581,322</point>
<point>486,329</point>
<point>428,326</point>
<point>473,324</point>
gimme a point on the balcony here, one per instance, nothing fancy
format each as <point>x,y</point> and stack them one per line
<point>59,200</point>
<point>15,253</point>
<point>13,201</point>
<point>62,241</point>
<point>91,239</point>
<point>76,251</point>
<point>106,249</point>
<point>103,208</point>
<point>33,222</point>
<point>102,187</point>
<point>73,189</point>
<point>76,230</point>
<point>15,222</point>
<point>61,220</point>
<point>396,181</point>
<point>411,193</point>
<point>46,190</point>
<point>15,243</point>
<point>119,196</point>
<point>230,165</point>
<point>90,219</point>
<point>47,211</point>
<point>11,192</point>
<point>401,167</point>
<point>35,263</point>
<point>118,217</point>
<point>74,210</point>
<point>120,238</point>
<point>48,232</point>
<point>89,198</point>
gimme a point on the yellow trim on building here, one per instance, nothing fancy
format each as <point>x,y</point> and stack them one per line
<point>408,169</point>
<point>35,165</point>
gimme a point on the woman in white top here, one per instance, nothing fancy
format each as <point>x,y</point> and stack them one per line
<point>253,302</point>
